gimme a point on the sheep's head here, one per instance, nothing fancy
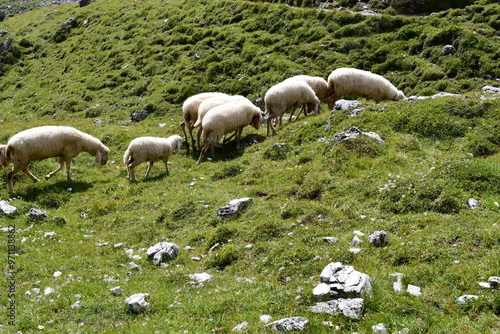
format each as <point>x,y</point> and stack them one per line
<point>102,155</point>
<point>177,143</point>
<point>256,121</point>
<point>3,155</point>
<point>399,96</point>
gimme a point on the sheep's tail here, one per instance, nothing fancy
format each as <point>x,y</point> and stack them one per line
<point>197,123</point>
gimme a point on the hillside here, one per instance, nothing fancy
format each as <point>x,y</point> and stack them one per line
<point>91,67</point>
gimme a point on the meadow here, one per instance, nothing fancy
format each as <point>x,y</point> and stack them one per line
<point>91,67</point>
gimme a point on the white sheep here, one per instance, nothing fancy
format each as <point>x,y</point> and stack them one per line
<point>318,85</point>
<point>210,103</point>
<point>287,95</point>
<point>226,118</point>
<point>354,82</point>
<point>45,142</point>
<point>149,149</point>
<point>190,112</point>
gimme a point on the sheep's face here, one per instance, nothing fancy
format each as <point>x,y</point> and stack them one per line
<point>399,96</point>
<point>102,156</point>
<point>331,102</point>
<point>256,121</point>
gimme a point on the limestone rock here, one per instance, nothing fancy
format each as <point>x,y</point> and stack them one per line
<point>350,308</point>
<point>289,324</point>
<point>36,214</point>
<point>7,208</point>
<point>491,89</point>
<point>344,281</point>
<point>235,206</point>
<point>466,298</point>
<point>137,302</point>
<point>494,281</point>
<point>378,238</point>
<point>163,251</point>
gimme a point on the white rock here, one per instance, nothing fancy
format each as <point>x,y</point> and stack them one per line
<point>201,277</point>
<point>356,241</point>
<point>414,290</point>
<point>57,274</point>
<point>466,298</point>
<point>398,285</point>
<point>6,208</point>
<point>494,281</point>
<point>380,328</point>
<point>265,318</point>
<point>485,285</point>
<point>321,291</point>
<point>473,203</point>
<point>48,291</point>
<point>137,302</point>
<point>240,327</point>
<point>331,240</point>
<point>76,304</point>
<point>289,324</point>
<point>116,291</point>
<point>355,250</point>
<point>162,251</point>
<point>349,307</point>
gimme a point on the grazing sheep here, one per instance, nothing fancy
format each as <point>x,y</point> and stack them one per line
<point>3,156</point>
<point>44,142</point>
<point>210,103</point>
<point>318,85</point>
<point>190,112</point>
<point>287,95</point>
<point>226,118</point>
<point>354,82</point>
<point>149,149</point>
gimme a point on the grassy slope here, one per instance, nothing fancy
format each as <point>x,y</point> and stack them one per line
<point>131,56</point>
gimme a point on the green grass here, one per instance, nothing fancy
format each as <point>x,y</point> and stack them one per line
<point>128,56</point>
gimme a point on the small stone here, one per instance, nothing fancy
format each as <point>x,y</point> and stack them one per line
<point>447,50</point>
<point>414,290</point>
<point>473,203</point>
<point>240,327</point>
<point>137,302</point>
<point>379,329</point>
<point>76,304</point>
<point>265,318</point>
<point>289,324</point>
<point>201,278</point>
<point>7,208</point>
<point>48,291</point>
<point>494,281</point>
<point>133,266</point>
<point>116,291</point>
<point>57,274</point>
<point>321,291</point>
<point>356,241</point>
<point>349,307</point>
<point>378,238</point>
<point>398,285</point>
<point>331,240</point>
<point>163,251</point>
<point>35,214</point>
<point>466,298</point>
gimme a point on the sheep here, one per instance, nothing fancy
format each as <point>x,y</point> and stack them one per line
<point>149,149</point>
<point>3,156</point>
<point>210,103</point>
<point>286,95</point>
<point>355,82</point>
<point>190,112</point>
<point>45,142</point>
<point>318,85</point>
<point>226,118</point>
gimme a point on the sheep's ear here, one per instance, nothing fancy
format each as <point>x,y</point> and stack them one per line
<point>98,157</point>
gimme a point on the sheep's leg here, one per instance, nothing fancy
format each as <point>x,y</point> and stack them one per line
<point>165,161</point>
<point>291,115</point>
<point>202,154</point>
<point>10,177</point>
<point>27,172</point>
<point>237,137</point>
<point>198,136</point>
<point>270,127</point>
<point>230,137</point>
<point>149,169</point>
<point>61,165</point>
<point>131,173</point>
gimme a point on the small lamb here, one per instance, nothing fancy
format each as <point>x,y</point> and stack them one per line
<point>45,142</point>
<point>226,118</point>
<point>149,149</point>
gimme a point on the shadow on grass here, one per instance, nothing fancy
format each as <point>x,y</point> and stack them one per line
<point>227,151</point>
<point>54,195</point>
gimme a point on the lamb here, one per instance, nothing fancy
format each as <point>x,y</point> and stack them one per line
<point>355,82</point>
<point>287,95</point>
<point>318,85</point>
<point>190,112</point>
<point>149,149</point>
<point>210,103</point>
<point>45,142</point>
<point>226,118</point>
